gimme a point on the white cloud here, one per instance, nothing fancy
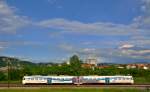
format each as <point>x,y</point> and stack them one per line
<point>97,28</point>
<point>137,54</point>
<point>74,49</point>
<point>126,46</point>
<point>143,21</point>
<point>139,25</point>
<point>66,47</point>
<point>88,50</point>
<point>9,21</point>
<point>1,47</point>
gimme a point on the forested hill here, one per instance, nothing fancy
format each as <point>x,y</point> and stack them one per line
<point>14,62</point>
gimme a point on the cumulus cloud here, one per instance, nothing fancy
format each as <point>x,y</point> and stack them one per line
<point>143,21</point>
<point>99,28</point>
<point>1,47</point>
<point>9,21</point>
<point>66,47</point>
<point>126,46</point>
<point>74,49</point>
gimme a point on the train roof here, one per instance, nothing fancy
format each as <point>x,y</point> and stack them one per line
<point>75,76</point>
<point>48,76</point>
<point>106,76</point>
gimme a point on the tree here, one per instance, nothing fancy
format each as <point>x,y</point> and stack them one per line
<point>75,64</point>
<point>14,74</point>
<point>2,76</point>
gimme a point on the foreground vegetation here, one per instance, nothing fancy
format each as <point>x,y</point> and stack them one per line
<point>74,90</point>
<point>18,69</point>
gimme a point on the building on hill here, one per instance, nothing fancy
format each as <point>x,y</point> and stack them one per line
<point>138,66</point>
<point>91,60</point>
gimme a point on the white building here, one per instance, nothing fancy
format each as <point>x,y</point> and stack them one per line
<point>91,60</point>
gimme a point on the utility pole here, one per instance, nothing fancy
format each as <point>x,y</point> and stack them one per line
<point>7,60</point>
<point>8,64</point>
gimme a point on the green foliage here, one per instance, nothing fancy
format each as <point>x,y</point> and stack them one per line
<point>75,90</point>
<point>75,64</point>
<point>2,63</point>
<point>14,74</point>
<point>2,76</point>
<point>27,68</point>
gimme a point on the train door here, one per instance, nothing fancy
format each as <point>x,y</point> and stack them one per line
<point>107,80</point>
<point>75,80</point>
<point>49,80</point>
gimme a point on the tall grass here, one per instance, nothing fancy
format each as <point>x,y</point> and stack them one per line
<point>73,90</point>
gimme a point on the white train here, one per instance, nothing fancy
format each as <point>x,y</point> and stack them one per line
<point>77,80</point>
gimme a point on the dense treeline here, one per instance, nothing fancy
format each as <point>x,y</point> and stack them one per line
<point>73,69</point>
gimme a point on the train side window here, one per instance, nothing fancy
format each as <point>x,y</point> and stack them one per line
<point>40,78</point>
<point>32,78</point>
<point>86,78</point>
<point>36,78</point>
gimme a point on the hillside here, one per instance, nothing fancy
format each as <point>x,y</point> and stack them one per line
<point>14,62</point>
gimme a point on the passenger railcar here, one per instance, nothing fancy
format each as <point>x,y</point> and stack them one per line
<point>47,80</point>
<point>62,79</point>
<point>35,80</point>
<point>106,80</point>
<point>77,80</point>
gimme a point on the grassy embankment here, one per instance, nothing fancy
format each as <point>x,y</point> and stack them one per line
<point>74,90</point>
<point>142,80</point>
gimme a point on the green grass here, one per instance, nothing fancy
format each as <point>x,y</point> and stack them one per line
<point>142,80</point>
<point>73,90</point>
<point>10,81</point>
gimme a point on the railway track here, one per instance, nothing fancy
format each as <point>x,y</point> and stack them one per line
<point>68,86</point>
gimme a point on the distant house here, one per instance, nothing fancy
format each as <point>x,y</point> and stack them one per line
<point>131,66</point>
<point>120,67</point>
<point>138,66</point>
<point>145,68</point>
<point>101,67</point>
<point>88,65</point>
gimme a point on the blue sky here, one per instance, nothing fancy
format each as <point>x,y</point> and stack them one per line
<point>53,30</point>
